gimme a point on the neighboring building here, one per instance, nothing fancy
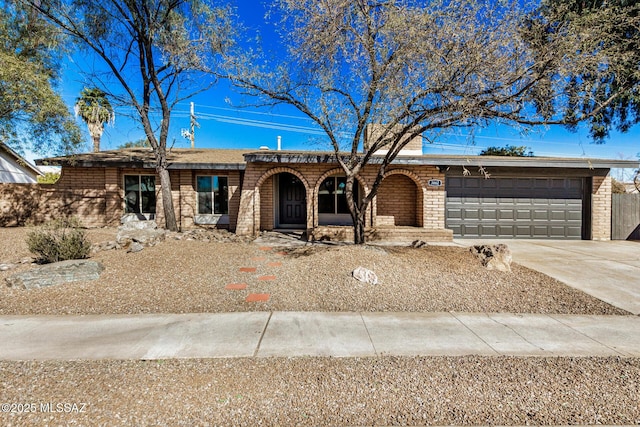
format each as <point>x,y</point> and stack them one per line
<point>428,197</point>
<point>15,169</point>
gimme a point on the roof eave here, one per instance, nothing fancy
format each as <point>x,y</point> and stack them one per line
<point>21,160</point>
<point>443,160</point>
<point>139,164</point>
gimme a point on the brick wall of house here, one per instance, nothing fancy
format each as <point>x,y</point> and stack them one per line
<point>430,200</point>
<point>266,205</point>
<point>235,178</point>
<point>79,192</point>
<point>397,198</point>
<point>601,208</point>
<point>95,195</point>
<point>421,205</point>
<point>187,198</point>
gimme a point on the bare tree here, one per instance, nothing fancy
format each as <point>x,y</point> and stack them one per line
<point>154,54</point>
<point>410,68</point>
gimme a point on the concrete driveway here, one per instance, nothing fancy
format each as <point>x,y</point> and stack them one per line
<point>609,271</point>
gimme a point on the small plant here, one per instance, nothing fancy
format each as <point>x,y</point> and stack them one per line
<point>59,240</point>
<point>49,178</point>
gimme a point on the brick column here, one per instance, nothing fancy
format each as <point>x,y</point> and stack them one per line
<point>113,197</point>
<point>601,208</point>
<point>187,199</point>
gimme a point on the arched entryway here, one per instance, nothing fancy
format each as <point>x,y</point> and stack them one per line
<point>399,201</point>
<point>290,201</point>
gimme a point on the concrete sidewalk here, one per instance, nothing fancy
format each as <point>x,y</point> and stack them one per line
<point>290,334</point>
<point>609,271</point>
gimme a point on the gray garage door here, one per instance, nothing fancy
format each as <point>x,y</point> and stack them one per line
<point>515,207</point>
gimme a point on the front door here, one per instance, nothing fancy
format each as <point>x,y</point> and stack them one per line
<point>293,203</point>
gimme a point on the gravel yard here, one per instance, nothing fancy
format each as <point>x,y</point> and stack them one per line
<point>191,276</point>
<point>327,391</point>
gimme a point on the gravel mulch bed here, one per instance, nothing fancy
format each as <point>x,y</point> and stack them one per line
<point>326,391</point>
<point>190,276</point>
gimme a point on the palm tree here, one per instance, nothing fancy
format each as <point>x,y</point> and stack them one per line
<point>94,109</point>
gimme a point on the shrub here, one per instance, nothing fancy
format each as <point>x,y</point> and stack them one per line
<point>617,187</point>
<point>49,178</point>
<point>59,240</point>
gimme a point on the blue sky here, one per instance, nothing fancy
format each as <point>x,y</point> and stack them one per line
<point>224,126</point>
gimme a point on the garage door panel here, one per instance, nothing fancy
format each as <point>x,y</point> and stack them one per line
<point>488,230</point>
<point>456,228</point>
<point>489,214</point>
<point>515,207</point>
<point>455,213</point>
<point>471,230</point>
<point>559,215</point>
<point>471,214</point>
<point>540,231</point>
<point>523,230</point>
<point>539,214</point>
<point>505,230</point>
<point>505,214</point>
<point>572,215</point>
<point>574,232</point>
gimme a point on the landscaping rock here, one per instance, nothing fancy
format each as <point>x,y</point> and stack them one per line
<point>104,246</point>
<point>364,275</point>
<point>418,244</point>
<point>145,236</point>
<point>56,273</point>
<point>5,267</point>
<point>135,247</point>
<point>494,257</point>
<point>140,225</point>
<point>207,235</point>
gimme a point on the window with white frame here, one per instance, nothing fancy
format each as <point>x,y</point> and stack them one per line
<point>140,194</point>
<point>213,195</point>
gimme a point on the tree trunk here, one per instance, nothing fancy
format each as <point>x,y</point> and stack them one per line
<point>167,199</point>
<point>358,231</point>
<point>95,130</point>
<point>96,143</point>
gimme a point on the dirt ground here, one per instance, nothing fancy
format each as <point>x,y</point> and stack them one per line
<point>191,276</point>
<point>324,392</point>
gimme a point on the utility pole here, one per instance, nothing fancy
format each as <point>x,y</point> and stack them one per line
<point>191,133</point>
<point>192,130</point>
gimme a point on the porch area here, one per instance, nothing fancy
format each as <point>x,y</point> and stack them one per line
<point>396,234</point>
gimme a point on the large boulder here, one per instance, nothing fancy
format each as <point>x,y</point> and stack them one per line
<point>493,257</point>
<point>56,273</point>
<point>145,233</point>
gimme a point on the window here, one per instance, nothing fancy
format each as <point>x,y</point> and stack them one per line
<point>213,195</point>
<point>332,197</point>
<point>140,194</point>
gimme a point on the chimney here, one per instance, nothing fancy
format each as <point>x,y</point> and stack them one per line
<point>373,131</point>
<point>279,143</point>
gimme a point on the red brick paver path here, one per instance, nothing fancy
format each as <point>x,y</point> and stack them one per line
<point>257,297</point>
